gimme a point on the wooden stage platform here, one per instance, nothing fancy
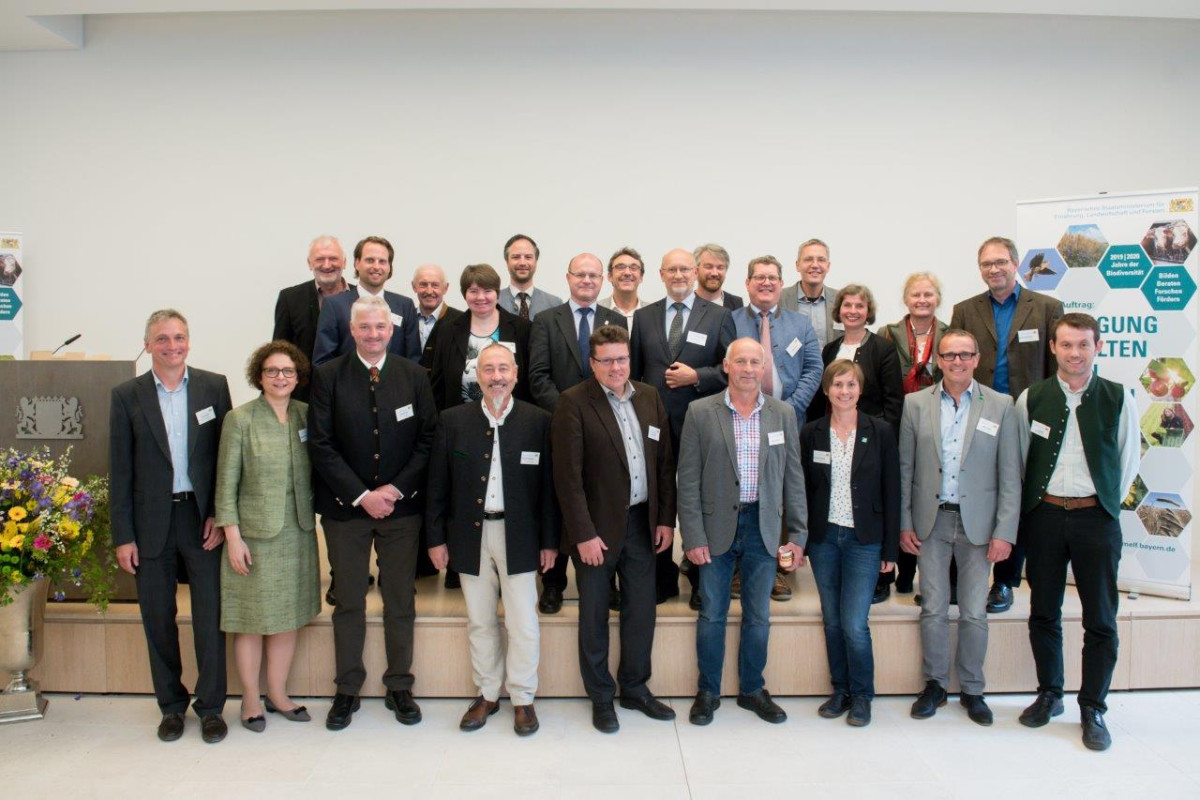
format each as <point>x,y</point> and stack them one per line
<point>1160,647</point>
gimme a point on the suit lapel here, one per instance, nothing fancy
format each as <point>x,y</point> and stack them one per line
<point>933,418</point>
<point>983,307</point>
<point>657,314</point>
<point>566,326</point>
<point>1021,314</point>
<point>863,433</point>
<point>725,421</point>
<point>195,403</point>
<point>608,420</point>
<point>147,395</point>
<point>972,422</point>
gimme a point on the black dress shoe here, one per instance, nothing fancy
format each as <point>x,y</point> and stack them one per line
<point>614,598</point>
<point>694,602</point>
<point>977,710</point>
<point>663,595</point>
<point>860,712</point>
<point>904,588</point>
<point>837,704</point>
<point>452,580</point>
<point>213,728</point>
<point>761,703</point>
<point>551,600</point>
<point>342,711</point>
<point>649,705</point>
<point>1095,732</point>
<point>1000,598</point>
<point>171,727</point>
<point>402,704</point>
<point>930,700</point>
<point>882,592</point>
<point>1047,705</point>
<point>604,718</point>
<point>703,707</point>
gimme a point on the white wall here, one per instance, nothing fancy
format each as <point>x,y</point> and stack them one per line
<point>187,160</point>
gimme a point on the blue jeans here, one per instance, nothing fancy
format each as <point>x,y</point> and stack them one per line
<point>846,572</point>
<point>758,577</point>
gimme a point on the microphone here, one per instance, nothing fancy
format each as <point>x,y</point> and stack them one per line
<point>138,358</point>
<point>67,342</point>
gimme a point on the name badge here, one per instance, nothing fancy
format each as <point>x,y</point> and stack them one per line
<point>1028,335</point>
<point>653,433</point>
<point>528,457</point>
<point>695,337</point>
<point>774,438</point>
<point>397,320</point>
<point>404,412</point>
<point>304,434</point>
<point>512,346</point>
<point>1040,429</point>
<point>794,347</point>
<point>988,427</point>
<point>821,457</point>
<point>205,415</point>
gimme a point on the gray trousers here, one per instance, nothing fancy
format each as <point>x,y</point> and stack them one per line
<point>948,539</point>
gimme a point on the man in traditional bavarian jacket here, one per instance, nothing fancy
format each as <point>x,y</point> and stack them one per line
<point>1079,436</point>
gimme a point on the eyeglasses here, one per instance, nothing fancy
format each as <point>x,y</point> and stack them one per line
<point>625,268</point>
<point>585,276</point>
<point>619,361</point>
<point>957,356</point>
<point>275,372</point>
<point>765,279</point>
<point>679,270</point>
<point>999,263</point>
<point>814,260</point>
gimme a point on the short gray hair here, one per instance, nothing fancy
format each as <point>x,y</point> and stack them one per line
<point>809,243</point>
<point>326,238</point>
<point>162,315</point>
<point>368,303</point>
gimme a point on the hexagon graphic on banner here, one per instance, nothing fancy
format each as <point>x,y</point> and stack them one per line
<point>1169,241</point>
<point>10,341</point>
<point>1167,379</point>
<point>1161,559</point>
<point>1164,332</point>
<point>1041,269</point>
<point>1082,245</point>
<point>1082,291</point>
<point>1165,469</point>
<point>1135,495</point>
<point>1166,425</point>
<point>10,304</point>
<point>1125,266</point>
<point>1164,514</point>
<point>1169,288</point>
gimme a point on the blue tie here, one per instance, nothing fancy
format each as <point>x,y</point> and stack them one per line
<point>585,333</point>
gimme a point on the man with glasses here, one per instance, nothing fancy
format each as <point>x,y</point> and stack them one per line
<point>626,271</point>
<point>559,359</point>
<point>960,490</point>
<point>1012,325</point>
<point>810,296</point>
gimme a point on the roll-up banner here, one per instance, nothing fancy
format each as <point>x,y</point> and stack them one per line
<point>11,267</point>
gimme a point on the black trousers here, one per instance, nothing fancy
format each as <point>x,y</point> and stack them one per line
<point>157,580</point>
<point>1009,570</point>
<point>903,574</point>
<point>349,544</point>
<point>634,563</point>
<point>1090,541</point>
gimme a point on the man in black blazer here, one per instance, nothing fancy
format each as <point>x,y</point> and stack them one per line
<point>164,430</point>
<point>559,359</point>
<point>370,429</point>
<point>712,267</point>
<point>493,517</point>
<point>373,266</point>
<point>429,286</point>
<point>678,346</point>
<point>298,306</point>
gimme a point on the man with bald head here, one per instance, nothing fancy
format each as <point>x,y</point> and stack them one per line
<point>678,345</point>
<point>429,287</point>
<point>559,359</point>
<point>299,306</point>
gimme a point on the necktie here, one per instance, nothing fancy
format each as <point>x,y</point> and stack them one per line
<point>675,335</point>
<point>523,308</point>
<point>374,373</point>
<point>585,333</point>
<point>764,338</point>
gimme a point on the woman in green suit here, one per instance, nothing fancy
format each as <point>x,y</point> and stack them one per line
<point>269,580</point>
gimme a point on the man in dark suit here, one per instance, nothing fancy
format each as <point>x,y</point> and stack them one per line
<point>615,479</point>
<point>712,267</point>
<point>493,516</point>
<point>678,345</point>
<point>1022,320</point>
<point>164,429</point>
<point>559,359</point>
<point>373,266</point>
<point>429,287</point>
<point>370,429</point>
<point>298,306</point>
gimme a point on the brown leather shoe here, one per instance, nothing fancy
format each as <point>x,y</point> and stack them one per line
<point>477,714</point>
<point>525,721</point>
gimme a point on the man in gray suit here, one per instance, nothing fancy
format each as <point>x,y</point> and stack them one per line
<point>810,296</point>
<point>739,481</point>
<point>521,255</point>
<point>960,494</point>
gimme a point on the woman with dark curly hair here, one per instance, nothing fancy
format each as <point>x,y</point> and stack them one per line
<point>269,582</point>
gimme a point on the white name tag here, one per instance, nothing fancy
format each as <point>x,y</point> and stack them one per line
<point>774,438</point>
<point>821,457</point>
<point>794,347</point>
<point>397,320</point>
<point>512,346</point>
<point>528,457</point>
<point>695,337</point>
<point>1028,335</point>
<point>404,412</point>
<point>988,427</point>
<point>653,433</point>
<point>205,415</point>
<point>1040,429</point>
<point>304,434</point>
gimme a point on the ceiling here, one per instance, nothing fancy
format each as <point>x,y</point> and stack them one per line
<point>62,24</point>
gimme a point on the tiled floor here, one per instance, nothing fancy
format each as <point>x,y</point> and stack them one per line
<point>97,746</point>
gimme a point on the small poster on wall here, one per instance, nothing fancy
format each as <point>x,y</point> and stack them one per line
<point>11,269</point>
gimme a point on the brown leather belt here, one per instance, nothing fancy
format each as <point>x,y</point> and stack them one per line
<point>1071,503</point>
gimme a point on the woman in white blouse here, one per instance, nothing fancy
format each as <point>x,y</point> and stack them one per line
<point>852,477</point>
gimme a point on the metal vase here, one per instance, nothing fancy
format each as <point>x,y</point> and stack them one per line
<point>20,650</point>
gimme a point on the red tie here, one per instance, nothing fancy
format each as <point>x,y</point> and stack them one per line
<point>764,337</point>
<point>374,372</point>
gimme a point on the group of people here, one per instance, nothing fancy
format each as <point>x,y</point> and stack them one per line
<point>500,442</point>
